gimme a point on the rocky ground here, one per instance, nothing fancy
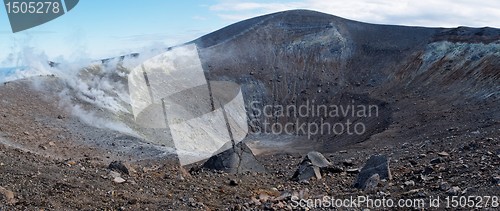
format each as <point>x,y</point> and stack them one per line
<point>465,165</point>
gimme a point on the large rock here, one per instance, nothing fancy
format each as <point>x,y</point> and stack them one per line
<point>311,166</point>
<point>377,164</point>
<point>238,159</point>
<point>119,166</point>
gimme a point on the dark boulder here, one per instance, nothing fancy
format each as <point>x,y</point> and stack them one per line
<point>377,164</point>
<point>312,166</point>
<point>118,166</point>
<point>238,159</point>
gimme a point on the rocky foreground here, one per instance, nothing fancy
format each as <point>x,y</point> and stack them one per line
<point>468,166</point>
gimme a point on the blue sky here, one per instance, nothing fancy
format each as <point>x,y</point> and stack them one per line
<point>103,28</point>
<point>107,28</point>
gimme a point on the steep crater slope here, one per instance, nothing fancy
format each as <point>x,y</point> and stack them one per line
<point>424,82</point>
<point>310,81</point>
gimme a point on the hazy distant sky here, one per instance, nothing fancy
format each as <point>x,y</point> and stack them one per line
<point>103,28</point>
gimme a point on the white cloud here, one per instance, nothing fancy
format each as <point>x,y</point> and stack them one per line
<point>443,13</point>
<point>199,18</point>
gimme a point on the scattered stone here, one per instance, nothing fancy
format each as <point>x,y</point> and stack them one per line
<point>426,177</point>
<point>410,183</point>
<point>238,159</point>
<point>427,170</point>
<point>191,200</point>
<point>233,183</point>
<point>437,160</point>
<point>453,191</point>
<point>255,201</point>
<point>305,182</point>
<point>283,196</point>
<point>352,171</point>
<point>183,173</point>
<point>377,164</point>
<point>51,143</point>
<point>118,166</point>
<point>270,193</point>
<point>443,154</point>
<point>263,197</point>
<point>311,167</point>
<point>7,195</point>
<point>348,162</point>
<point>444,186</point>
<point>280,205</point>
<point>132,201</point>
<point>180,177</point>
<point>119,180</point>
<point>414,191</point>
<point>114,174</point>
<point>304,194</point>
